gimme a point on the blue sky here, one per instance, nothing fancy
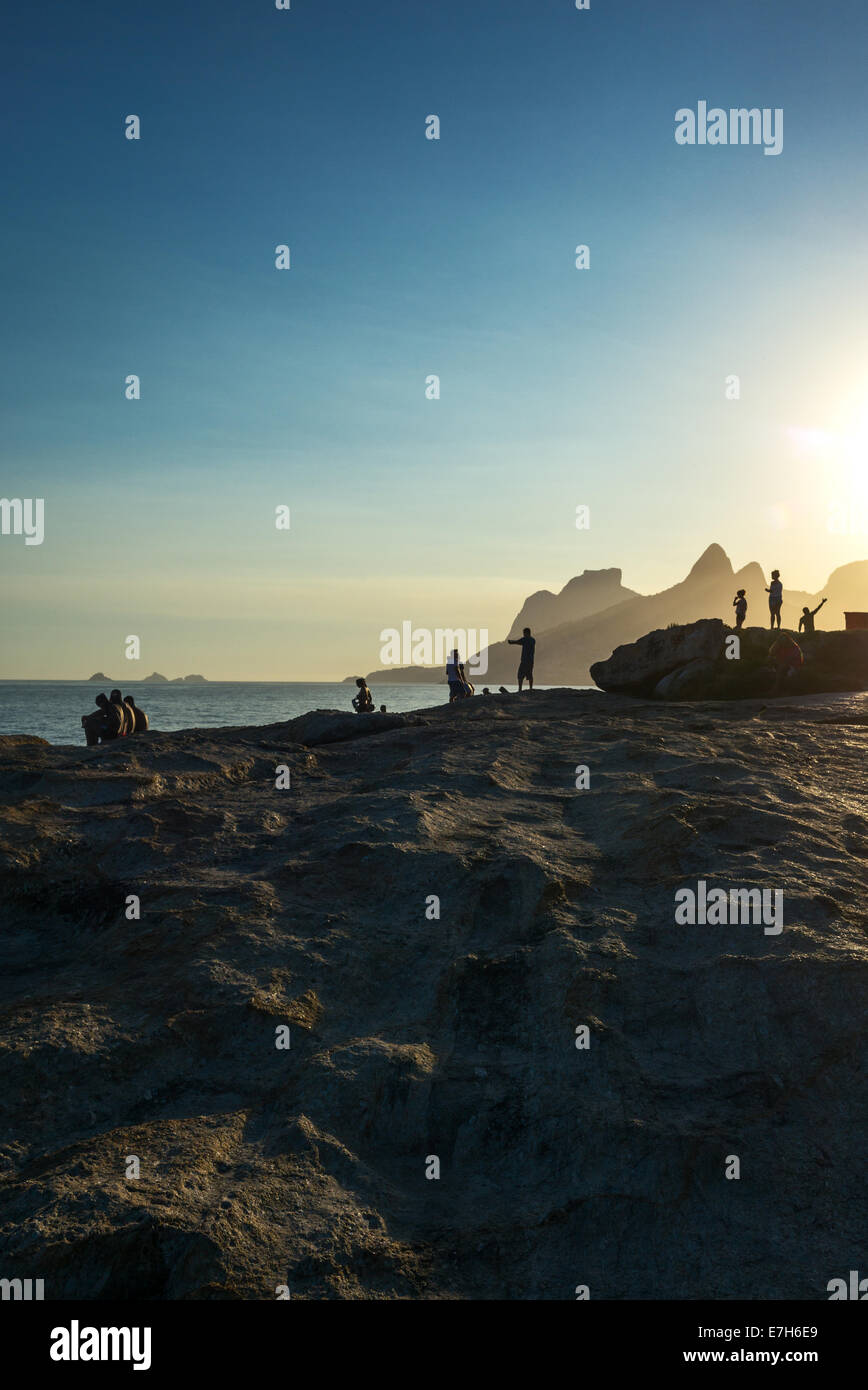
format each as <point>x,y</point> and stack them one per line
<point>409,257</point>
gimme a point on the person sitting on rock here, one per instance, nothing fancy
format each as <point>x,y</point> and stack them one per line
<point>454,677</point>
<point>459,685</point>
<point>96,724</point>
<point>105,723</point>
<point>806,621</point>
<point>775,592</point>
<point>382,709</point>
<point>364,701</point>
<point>126,715</point>
<point>739,603</point>
<point>140,719</point>
<point>786,658</point>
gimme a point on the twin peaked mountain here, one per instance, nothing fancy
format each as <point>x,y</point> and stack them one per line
<point>594,613</point>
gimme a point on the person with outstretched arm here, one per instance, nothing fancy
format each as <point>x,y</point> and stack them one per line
<point>525,664</point>
<point>806,621</point>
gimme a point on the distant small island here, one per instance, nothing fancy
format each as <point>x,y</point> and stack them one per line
<point>155,678</point>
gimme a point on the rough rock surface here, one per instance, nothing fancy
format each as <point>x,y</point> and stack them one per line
<point>685,681</point>
<point>411,1037</point>
<point>637,667</point>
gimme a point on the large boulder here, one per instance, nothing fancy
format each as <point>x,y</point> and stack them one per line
<point>701,665</point>
<point>638,667</point>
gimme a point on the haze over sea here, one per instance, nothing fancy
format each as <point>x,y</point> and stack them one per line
<point>53,709</point>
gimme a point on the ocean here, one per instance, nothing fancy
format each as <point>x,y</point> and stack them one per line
<point>53,709</point>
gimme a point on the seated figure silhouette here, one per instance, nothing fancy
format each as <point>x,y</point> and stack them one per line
<point>363,703</point>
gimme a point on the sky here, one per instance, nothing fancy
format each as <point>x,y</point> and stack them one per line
<point>604,387</point>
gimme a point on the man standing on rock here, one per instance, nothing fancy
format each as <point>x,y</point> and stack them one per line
<point>775,592</point>
<point>525,665</point>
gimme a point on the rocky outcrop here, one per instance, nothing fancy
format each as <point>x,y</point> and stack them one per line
<point>432,909</point>
<point>637,667</point>
<point>695,662</point>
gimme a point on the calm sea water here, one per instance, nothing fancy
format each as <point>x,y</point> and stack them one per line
<point>53,709</point>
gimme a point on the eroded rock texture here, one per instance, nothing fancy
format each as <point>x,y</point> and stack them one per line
<point>414,1037</point>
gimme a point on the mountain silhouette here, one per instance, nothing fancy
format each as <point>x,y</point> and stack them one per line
<point>586,594</point>
<point>572,633</point>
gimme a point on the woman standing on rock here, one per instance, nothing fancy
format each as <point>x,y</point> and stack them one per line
<point>775,592</point>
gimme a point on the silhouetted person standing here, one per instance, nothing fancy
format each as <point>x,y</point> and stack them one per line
<point>528,649</point>
<point>775,592</point>
<point>739,603</point>
<point>806,621</point>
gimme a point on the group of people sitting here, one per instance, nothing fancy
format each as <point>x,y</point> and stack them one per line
<point>775,592</point>
<point>115,717</point>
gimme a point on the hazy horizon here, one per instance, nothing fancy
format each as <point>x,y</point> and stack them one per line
<point>137,671</point>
